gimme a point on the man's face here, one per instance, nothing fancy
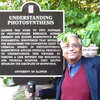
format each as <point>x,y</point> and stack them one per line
<point>72,50</point>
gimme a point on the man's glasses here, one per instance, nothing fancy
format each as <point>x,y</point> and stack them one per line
<point>74,46</point>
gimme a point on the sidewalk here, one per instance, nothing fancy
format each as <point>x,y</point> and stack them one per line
<point>6,93</point>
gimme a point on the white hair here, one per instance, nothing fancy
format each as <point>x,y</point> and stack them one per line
<point>71,35</point>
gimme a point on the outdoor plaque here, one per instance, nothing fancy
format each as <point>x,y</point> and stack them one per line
<point>28,42</point>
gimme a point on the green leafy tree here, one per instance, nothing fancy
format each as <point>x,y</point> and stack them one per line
<point>81,16</point>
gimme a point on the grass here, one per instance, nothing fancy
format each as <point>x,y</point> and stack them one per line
<point>20,94</point>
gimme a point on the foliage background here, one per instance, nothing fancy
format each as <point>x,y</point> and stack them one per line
<point>81,16</point>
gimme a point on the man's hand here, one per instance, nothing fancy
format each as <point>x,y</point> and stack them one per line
<point>28,95</point>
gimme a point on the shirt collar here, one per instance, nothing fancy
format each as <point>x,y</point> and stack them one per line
<point>77,64</point>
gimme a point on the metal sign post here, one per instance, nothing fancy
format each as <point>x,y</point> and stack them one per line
<point>31,89</point>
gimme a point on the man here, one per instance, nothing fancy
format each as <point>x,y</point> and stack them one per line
<point>81,77</point>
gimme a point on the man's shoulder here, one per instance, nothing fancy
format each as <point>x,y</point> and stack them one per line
<point>95,59</point>
<point>91,58</point>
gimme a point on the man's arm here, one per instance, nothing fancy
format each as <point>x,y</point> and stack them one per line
<point>49,93</point>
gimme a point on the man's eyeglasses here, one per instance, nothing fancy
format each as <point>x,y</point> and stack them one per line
<point>74,46</point>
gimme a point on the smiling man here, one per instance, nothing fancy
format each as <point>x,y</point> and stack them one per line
<point>72,50</point>
<point>81,77</point>
<point>74,75</point>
